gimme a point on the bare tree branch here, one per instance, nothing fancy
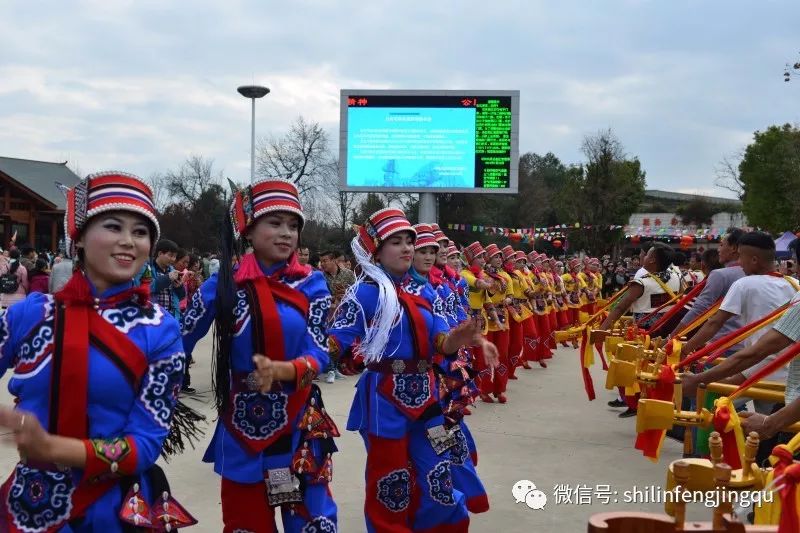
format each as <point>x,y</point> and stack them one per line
<point>334,204</point>
<point>191,180</point>
<point>158,184</point>
<point>727,174</point>
<point>301,155</point>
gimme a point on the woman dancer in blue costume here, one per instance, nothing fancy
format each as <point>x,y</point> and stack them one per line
<point>456,265</point>
<point>448,260</point>
<point>456,386</point>
<point>273,441</point>
<point>397,319</point>
<point>96,372</point>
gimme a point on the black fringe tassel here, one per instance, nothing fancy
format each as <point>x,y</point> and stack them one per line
<point>186,428</point>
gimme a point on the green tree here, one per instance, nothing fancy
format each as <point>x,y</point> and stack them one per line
<point>369,204</point>
<point>196,204</point>
<point>189,181</point>
<point>698,212</point>
<point>604,191</point>
<point>540,180</point>
<point>770,176</point>
<point>541,177</point>
<point>197,225</point>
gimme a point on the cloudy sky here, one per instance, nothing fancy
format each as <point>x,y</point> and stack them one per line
<point>140,85</point>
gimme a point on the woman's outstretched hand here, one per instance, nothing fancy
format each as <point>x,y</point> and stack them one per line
<point>490,353</point>
<point>468,333</point>
<point>30,438</point>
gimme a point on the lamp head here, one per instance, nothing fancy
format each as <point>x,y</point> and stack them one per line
<point>253,91</point>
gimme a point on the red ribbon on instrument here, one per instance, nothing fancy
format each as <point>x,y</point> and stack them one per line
<point>588,384</point>
<point>787,355</point>
<point>649,441</point>
<point>713,346</point>
<point>790,521</point>
<point>730,449</point>
<point>599,347</point>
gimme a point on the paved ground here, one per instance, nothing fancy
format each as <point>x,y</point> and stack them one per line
<point>547,433</point>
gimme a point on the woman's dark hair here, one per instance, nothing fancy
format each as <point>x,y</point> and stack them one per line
<point>193,260</point>
<point>733,235</point>
<point>181,253</point>
<point>14,256</point>
<point>710,259</point>
<point>678,259</point>
<point>224,320</point>
<point>39,268</point>
<point>662,254</point>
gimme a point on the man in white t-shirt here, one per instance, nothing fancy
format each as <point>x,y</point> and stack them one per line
<point>754,296</point>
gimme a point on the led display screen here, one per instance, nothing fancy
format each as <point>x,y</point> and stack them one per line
<point>429,142</point>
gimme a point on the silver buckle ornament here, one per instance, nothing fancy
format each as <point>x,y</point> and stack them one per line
<point>282,487</point>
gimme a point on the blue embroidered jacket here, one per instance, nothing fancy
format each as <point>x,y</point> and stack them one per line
<point>126,425</point>
<point>384,406</point>
<point>258,431</point>
<point>453,310</point>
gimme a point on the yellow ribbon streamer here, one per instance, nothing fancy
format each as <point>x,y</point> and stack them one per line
<point>734,424</point>
<point>699,320</point>
<point>675,357</point>
<point>588,349</point>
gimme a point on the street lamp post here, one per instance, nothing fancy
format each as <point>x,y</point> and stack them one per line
<point>252,92</point>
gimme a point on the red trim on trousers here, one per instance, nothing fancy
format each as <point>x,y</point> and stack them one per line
<point>478,504</point>
<point>514,345</point>
<point>500,339</point>
<point>245,506</point>
<point>385,456</point>
<point>529,339</point>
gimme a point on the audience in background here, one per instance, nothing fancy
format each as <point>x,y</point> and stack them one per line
<point>709,261</point>
<point>60,274</point>
<point>303,255</point>
<point>39,277</point>
<point>13,279</point>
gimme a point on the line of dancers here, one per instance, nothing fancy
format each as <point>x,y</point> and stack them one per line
<point>96,369</point>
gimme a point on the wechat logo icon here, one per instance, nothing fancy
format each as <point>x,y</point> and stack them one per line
<point>525,491</point>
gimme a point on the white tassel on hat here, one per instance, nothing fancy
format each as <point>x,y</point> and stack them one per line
<point>388,311</point>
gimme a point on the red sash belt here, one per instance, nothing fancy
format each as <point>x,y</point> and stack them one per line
<point>412,392</point>
<point>77,326</point>
<point>401,366</point>
<point>247,406</point>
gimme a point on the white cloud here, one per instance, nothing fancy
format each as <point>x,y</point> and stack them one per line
<point>145,83</point>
